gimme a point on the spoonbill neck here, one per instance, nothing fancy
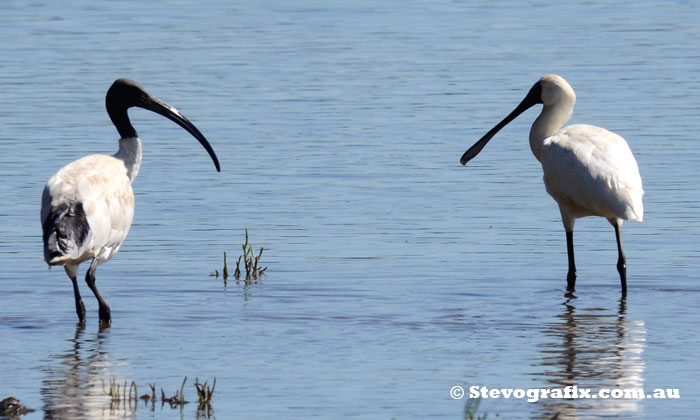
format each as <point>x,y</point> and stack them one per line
<point>550,120</point>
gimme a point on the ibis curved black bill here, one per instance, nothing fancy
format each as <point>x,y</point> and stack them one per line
<point>160,107</point>
<point>125,93</point>
<point>534,96</point>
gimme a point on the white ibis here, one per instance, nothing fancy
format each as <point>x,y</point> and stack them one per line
<point>588,170</point>
<point>87,207</point>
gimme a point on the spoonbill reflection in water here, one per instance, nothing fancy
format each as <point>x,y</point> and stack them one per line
<point>87,206</point>
<point>588,170</point>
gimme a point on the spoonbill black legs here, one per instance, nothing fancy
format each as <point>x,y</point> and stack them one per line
<point>571,275</point>
<point>589,171</point>
<point>87,207</point>
<point>621,261</point>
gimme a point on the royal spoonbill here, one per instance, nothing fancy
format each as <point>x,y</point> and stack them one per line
<point>588,170</point>
<point>87,206</point>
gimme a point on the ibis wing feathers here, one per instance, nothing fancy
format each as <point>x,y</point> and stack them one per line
<point>96,187</point>
<point>65,229</point>
<point>592,172</point>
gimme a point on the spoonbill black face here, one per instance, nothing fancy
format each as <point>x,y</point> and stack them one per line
<point>533,97</point>
<point>125,93</point>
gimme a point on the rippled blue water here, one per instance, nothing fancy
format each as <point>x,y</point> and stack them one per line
<point>394,272</point>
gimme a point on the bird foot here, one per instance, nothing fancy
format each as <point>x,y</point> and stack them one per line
<point>622,269</point>
<point>571,281</point>
<point>80,310</point>
<point>105,316</point>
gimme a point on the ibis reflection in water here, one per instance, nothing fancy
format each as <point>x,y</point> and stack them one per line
<point>88,206</point>
<point>589,171</point>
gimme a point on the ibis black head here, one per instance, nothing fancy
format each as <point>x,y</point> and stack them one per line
<point>125,93</point>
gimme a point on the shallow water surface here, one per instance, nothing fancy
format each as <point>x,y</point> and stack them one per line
<point>394,272</point>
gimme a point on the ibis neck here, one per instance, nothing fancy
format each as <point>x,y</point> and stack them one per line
<point>130,153</point>
<point>120,119</point>
<point>550,120</point>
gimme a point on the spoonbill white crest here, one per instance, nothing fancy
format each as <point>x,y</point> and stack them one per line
<point>87,206</point>
<point>588,170</point>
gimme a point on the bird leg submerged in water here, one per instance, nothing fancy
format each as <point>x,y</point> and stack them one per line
<point>72,272</point>
<point>621,261</point>
<point>571,275</point>
<point>104,311</point>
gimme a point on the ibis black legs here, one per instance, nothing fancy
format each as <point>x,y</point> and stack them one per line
<point>79,305</point>
<point>621,262</point>
<point>72,271</point>
<point>105,314</point>
<point>571,276</point>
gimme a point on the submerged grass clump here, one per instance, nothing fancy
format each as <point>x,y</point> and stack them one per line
<point>251,263</point>
<point>122,394</point>
<point>472,406</point>
<point>205,394</point>
<point>470,409</point>
<point>176,400</point>
<point>118,392</point>
<point>151,396</point>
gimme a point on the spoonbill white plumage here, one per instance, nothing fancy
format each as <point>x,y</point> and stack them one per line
<point>588,170</point>
<point>87,206</point>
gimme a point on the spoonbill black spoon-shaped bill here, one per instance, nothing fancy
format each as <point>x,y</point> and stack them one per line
<point>589,171</point>
<point>87,207</point>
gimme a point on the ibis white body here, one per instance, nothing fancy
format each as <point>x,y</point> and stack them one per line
<point>588,170</point>
<point>102,184</point>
